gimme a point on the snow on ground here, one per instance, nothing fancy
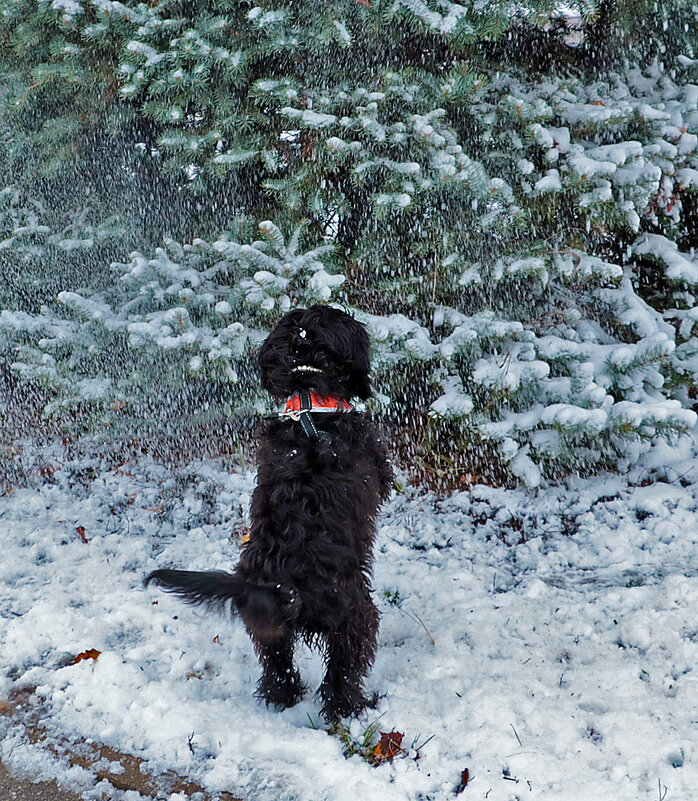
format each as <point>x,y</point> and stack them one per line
<point>563,665</point>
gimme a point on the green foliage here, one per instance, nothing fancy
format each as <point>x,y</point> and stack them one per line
<point>505,201</point>
<point>190,316</point>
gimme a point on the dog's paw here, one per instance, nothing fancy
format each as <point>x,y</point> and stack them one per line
<point>281,692</point>
<point>345,703</point>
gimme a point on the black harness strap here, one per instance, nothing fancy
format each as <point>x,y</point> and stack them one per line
<point>306,420</point>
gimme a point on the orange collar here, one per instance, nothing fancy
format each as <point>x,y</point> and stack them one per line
<point>318,403</point>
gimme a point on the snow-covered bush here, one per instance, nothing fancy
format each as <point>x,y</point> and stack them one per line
<point>173,333</point>
<point>519,242</point>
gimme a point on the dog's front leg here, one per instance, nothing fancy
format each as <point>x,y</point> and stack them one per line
<point>280,684</point>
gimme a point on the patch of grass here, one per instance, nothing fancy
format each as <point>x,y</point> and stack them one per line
<point>392,597</point>
<point>364,746</point>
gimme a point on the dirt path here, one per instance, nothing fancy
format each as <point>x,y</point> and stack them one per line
<point>26,710</point>
<point>12,789</point>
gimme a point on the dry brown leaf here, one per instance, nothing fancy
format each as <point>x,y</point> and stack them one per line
<point>389,746</point>
<point>199,674</point>
<point>464,779</point>
<point>92,653</point>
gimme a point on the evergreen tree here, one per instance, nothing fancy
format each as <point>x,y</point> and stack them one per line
<point>508,202</point>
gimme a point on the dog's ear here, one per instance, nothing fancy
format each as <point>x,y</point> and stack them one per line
<point>288,323</point>
<point>362,386</point>
<point>279,334</point>
<point>360,361</point>
<point>349,340</point>
<point>274,350</point>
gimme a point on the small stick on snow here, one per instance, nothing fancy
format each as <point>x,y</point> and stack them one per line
<point>516,734</point>
<point>425,742</point>
<point>662,795</point>
<point>419,620</point>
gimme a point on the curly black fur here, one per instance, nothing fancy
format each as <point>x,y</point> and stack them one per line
<point>306,568</point>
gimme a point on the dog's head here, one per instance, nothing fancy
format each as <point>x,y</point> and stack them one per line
<point>319,348</point>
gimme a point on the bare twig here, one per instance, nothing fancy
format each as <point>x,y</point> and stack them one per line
<point>425,742</point>
<point>683,475</point>
<point>32,87</point>
<point>415,616</point>
<point>516,734</point>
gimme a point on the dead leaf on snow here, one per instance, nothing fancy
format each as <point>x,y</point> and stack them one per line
<point>92,653</point>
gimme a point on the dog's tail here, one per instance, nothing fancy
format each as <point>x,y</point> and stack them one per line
<point>266,609</point>
<point>213,588</point>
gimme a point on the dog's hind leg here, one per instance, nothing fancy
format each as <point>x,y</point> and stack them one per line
<point>280,684</point>
<point>350,654</point>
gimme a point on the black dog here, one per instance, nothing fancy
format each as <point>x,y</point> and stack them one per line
<point>323,473</point>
